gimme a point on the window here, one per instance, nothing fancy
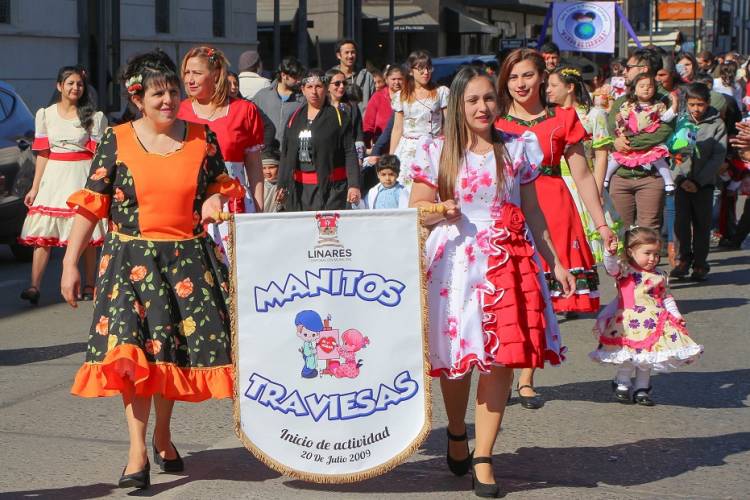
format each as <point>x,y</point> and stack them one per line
<point>162,16</point>
<point>4,11</point>
<point>219,17</point>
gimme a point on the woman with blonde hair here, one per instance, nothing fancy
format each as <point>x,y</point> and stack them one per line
<point>236,122</point>
<point>489,306</point>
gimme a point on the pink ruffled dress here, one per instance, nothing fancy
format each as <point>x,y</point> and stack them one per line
<point>488,300</point>
<point>642,326</point>
<point>638,118</point>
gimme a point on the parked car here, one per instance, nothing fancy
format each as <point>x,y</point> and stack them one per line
<point>445,68</point>
<point>17,164</point>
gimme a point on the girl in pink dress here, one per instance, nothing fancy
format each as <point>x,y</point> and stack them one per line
<point>489,306</point>
<point>640,113</point>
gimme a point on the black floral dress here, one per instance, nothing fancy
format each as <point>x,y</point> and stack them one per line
<point>161,322</point>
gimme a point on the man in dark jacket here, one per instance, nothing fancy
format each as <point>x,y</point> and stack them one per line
<point>638,193</point>
<point>278,102</point>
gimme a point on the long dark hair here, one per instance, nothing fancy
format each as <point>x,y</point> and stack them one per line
<point>457,136</point>
<point>85,107</point>
<point>416,59</point>
<point>515,57</point>
<point>572,76</point>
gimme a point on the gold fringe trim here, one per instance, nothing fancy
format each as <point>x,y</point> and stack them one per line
<point>426,384</point>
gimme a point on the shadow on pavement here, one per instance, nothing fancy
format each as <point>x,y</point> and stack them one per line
<point>16,357</point>
<point>527,469</point>
<point>626,464</point>
<point>728,389</point>
<point>692,305</point>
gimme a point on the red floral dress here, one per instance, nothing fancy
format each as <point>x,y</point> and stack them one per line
<point>160,324</point>
<point>556,130</point>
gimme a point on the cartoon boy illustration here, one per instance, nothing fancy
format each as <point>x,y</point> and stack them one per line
<point>309,325</point>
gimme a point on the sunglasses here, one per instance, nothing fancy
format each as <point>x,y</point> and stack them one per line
<point>338,83</point>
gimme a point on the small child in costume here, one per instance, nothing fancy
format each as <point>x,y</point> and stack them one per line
<point>640,113</point>
<point>389,193</point>
<point>270,179</point>
<point>642,329</point>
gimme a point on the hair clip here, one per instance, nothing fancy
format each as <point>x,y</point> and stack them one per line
<point>212,56</point>
<point>134,84</point>
<point>570,72</point>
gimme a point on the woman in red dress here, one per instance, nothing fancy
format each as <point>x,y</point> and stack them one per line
<point>559,131</point>
<point>236,122</point>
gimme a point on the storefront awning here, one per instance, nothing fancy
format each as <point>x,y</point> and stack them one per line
<point>659,39</point>
<point>410,18</point>
<point>463,23</point>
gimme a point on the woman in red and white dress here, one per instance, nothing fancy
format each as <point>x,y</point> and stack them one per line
<point>66,137</point>
<point>489,306</point>
<point>522,108</point>
<point>236,122</point>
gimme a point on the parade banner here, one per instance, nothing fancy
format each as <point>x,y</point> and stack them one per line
<point>584,26</point>
<point>330,346</point>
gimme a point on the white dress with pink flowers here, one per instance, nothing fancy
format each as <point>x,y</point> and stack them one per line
<point>488,300</point>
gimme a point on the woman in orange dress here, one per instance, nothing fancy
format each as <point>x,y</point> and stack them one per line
<point>161,326</point>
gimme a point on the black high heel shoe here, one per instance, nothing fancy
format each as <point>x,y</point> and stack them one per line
<point>31,294</point>
<point>458,467</point>
<point>530,402</point>
<point>140,479</point>
<point>168,464</point>
<point>483,490</point>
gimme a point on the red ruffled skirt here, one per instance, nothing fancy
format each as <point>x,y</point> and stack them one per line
<point>513,303</point>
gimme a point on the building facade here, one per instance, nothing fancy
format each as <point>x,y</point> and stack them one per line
<point>40,36</point>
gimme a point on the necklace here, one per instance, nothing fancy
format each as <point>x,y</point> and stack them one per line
<point>201,115</point>
<point>484,152</point>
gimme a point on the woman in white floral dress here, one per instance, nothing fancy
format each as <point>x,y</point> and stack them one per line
<point>419,111</point>
<point>489,304</point>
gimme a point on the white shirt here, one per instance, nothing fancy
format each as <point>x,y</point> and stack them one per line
<point>251,83</point>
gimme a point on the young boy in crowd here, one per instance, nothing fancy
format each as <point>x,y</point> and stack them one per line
<point>695,179</point>
<point>270,161</point>
<point>389,193</point>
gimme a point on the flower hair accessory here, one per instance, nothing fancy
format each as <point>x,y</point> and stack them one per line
<point>134,84</point>
<point>212,56</point>
<point>570,72</point>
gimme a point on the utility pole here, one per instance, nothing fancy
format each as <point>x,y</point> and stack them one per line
<point>623,37</point>
<point>391,33</point>
<point>276,34</point>
<point>302,33</point>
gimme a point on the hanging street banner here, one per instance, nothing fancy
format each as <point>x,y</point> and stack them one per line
<point>330,347</point>
<point>584,26</point>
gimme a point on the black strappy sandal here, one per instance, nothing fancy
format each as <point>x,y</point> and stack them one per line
<point>622,395</point>
<point>642,397</point>
<point>458,467</point>
<point>483,490</point>
<point>88,293</point>
<point>31,294</point>
<point>530,402</point>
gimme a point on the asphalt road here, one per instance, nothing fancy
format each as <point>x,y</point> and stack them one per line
<point>694,444</point>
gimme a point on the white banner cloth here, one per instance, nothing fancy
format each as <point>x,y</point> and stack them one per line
<point>584,26</point>
<point>330,341</point>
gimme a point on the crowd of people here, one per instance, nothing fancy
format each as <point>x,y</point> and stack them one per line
<point>528,176</point>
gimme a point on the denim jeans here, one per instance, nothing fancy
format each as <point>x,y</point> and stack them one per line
<point>668,229</point>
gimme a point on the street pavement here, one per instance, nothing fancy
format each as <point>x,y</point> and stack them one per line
<point>694,444</point>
